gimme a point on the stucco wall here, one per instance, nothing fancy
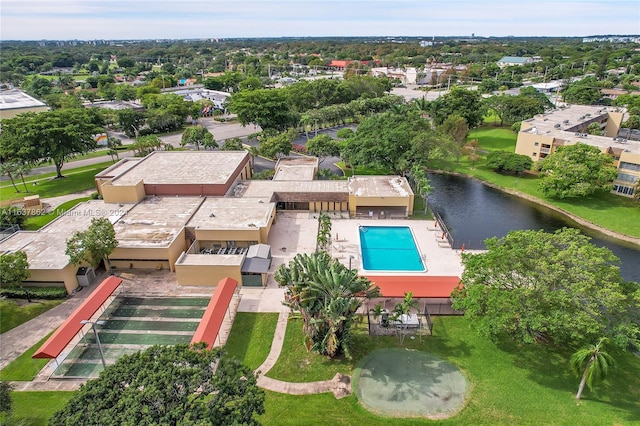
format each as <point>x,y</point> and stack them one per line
<point>206,275</point>
<point>122,194</point>
<point>67,276</point>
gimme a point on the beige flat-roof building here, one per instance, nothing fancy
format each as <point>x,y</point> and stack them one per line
<point>543,134</point>
<point>14,102</point>
<point>197,173</point>
<point>45,248</point>
<point>198,214</point>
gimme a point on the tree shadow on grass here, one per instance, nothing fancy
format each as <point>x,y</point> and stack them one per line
<point>236,345</point>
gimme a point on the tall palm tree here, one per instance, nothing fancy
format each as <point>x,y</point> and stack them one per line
<point>8,168</point>
<point>593,362</point>
<point>305,122</point>
<point>21,169</point>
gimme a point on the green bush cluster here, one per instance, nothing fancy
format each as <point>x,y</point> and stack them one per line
<point>44,293</point>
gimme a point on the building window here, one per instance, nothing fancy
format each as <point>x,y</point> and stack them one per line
<point>629,166</point>
<point>626,177</point>
<point>536,144</point>
<point>622,189</point>
<point>535,154</point>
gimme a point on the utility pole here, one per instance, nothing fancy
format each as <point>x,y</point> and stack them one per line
<point>95,332</point>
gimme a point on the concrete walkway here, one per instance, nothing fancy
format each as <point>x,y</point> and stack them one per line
<point>340,385</point>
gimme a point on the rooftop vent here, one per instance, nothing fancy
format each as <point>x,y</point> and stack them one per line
<point>557,126</point>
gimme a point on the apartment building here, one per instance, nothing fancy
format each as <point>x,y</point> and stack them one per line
<point>544,133</point>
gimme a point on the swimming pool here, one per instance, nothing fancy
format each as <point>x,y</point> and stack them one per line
<point>389,248</point>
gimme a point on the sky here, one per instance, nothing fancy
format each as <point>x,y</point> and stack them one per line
<point>187,19</point>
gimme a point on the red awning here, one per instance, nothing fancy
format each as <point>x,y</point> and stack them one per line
<point>67,331</point>
<point>213,316</point>
<point>421,286</point>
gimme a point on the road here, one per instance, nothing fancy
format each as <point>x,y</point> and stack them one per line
<point>221,132</point>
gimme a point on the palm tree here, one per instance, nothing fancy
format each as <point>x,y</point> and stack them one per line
<point>422,105</point>
<point>593,362</point>
<point>9,169</point>
<point>21,169</point>
<point>305,122</point>
<point>324,231</point>
<point>408,303</point>
<point>254,151</point>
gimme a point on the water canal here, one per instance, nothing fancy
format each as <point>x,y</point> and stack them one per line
<point>473,212</point>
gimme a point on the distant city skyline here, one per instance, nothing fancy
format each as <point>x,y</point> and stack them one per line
<point>147,19</point>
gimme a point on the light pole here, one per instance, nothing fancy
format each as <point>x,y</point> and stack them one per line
<point>350,258</point>
<point>93,327</point>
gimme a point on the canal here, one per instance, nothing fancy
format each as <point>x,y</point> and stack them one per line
<point>474,212</point>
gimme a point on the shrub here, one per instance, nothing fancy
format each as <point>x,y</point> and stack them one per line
<point>345,133</point>
<point>299,148</point>
<point>12,216</point>
<point>265,175</point>
<point>502,161</point>
<point>43,293</point>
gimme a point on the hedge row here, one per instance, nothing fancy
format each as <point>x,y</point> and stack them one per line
<point>45,293</point>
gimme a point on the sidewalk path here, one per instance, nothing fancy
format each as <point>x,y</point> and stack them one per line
<point>16,341</point>
<point>340,385</point>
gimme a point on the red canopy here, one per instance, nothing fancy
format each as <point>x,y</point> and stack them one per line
<point>72,325</point>
<point>421,286</point>
<point>213,316</point>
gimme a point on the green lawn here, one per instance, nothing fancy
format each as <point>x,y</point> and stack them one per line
<point>25,368</point>
<point>35,408</point>
<point>250,338</point>
<point>75,180</point>
<point>34,223</point>
<point>12,314</point>
<point>510,384</point>
<point>101,152</point>
<point>296,364</point>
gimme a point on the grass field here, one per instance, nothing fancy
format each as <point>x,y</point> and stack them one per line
<point>13,314</point>
<point>510,384</point>
<point>34,223</point>
<point>35,408</point>
<point>250,337</point>
<point>75,180</point>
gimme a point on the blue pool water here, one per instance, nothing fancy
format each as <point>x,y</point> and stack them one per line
<point>389,248</point>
